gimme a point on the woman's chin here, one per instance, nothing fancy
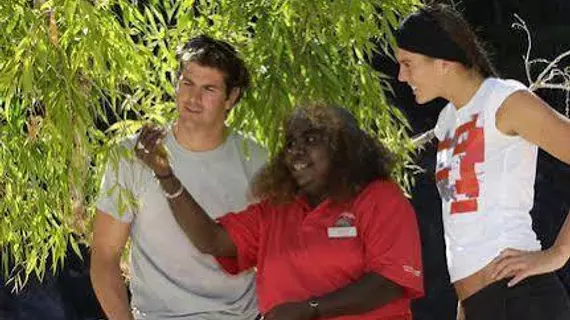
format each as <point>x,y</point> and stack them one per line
<point>420,100</point>
<point>423,99</point>
<point>302,181</point>
<point>305,189</point>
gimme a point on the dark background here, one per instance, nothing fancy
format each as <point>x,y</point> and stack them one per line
<point>68,294</point>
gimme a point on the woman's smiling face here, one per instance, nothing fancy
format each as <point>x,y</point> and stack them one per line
<point>421,73</point>
<point>307,156</point>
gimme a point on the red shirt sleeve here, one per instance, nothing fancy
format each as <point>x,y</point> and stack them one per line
<point>389,231</point>
<point>244,229</point>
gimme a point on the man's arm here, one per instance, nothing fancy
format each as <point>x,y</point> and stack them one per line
<point>109,239</point>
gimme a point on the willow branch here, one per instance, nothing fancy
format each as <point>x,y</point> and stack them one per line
<point>547,79</point>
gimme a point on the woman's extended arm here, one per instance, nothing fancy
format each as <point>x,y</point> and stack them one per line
<point>370,292</point>
<point>206,235</point>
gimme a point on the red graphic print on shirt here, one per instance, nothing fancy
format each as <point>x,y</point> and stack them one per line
<point>456,174</point>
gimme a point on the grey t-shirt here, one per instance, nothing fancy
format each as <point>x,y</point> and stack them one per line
<point>170,279</point>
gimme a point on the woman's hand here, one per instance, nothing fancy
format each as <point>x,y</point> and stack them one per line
<point>521,264</point>
<point>291,311</point>
<point>460,311</point>
<point>150,150</point>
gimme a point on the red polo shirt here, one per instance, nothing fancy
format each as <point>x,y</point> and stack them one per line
<point>302,253</point>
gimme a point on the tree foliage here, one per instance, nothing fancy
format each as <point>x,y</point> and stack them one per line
<point>76,76</point>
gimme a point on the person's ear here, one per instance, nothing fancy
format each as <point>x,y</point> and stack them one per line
<point>444,66</point>
<point>232,98</point>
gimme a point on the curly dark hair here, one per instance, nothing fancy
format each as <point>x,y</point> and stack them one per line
<point>356,157</point>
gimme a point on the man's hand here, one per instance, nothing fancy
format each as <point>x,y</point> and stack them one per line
<point>150,150</point>
<point>523,264</point>
<point>291,311</point>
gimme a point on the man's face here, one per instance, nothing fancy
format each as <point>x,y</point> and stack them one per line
<point>201,97</point>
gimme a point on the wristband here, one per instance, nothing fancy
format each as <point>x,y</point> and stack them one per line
<point>176,194</point>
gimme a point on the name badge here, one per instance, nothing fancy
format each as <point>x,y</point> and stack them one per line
<point>341,232</point>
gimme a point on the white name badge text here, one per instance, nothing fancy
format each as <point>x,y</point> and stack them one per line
<point>341,232</point>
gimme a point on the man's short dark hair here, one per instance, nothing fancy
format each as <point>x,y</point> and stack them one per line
<point>217,54</point>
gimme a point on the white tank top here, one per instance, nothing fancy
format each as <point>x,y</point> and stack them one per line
<point>486,181</point>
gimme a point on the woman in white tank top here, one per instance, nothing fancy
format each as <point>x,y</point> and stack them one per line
<point>486,162</point>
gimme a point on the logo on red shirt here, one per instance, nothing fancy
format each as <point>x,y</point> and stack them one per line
<point>412,270</point>
<point>345,219</point>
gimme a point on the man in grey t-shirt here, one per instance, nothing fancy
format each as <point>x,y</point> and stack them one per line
<point>170,279</point>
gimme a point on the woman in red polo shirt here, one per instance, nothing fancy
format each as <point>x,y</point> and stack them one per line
<point>332,237</point>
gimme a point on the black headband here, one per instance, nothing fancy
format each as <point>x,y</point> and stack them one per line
<point>421,33</point>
